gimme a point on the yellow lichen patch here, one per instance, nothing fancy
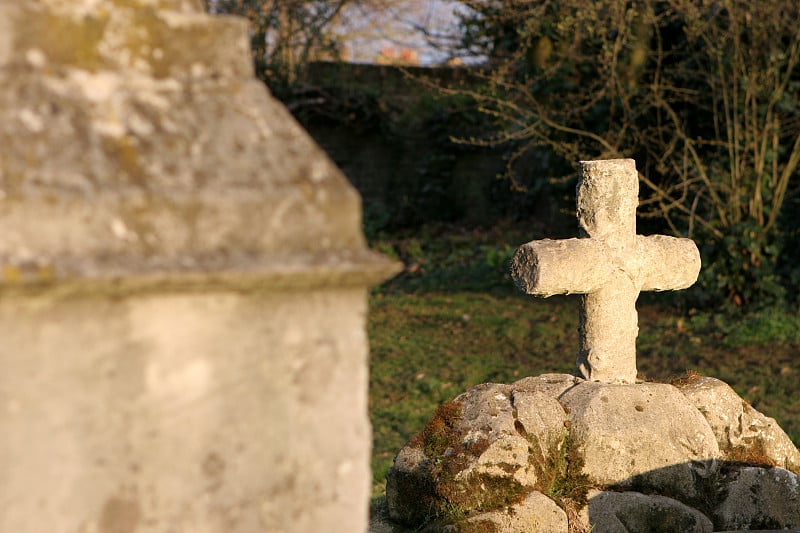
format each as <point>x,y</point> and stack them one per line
<point>64,40</point>
<point>11,274</point>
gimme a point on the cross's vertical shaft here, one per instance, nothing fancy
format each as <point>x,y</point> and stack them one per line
<point>607,332</point>
<point>607,198</point>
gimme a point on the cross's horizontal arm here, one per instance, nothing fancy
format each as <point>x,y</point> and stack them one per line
<point>667,263</point>
<point>582,266</point>
<point>567,266</point>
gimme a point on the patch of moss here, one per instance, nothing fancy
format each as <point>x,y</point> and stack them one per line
<point>440,432</point>
<point>561,477</point>
<point>481,492</point>
<point>452,497</point>
<point>690,377</point>
<point>478,446</point>
<point>753,454</point>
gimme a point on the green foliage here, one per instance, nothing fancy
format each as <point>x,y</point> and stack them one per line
<point>703,95</point>
<point>461,260</point>
<point>422,127</point>
<point>768,326</point>
<point>740,270</point>
<point>376,219</point>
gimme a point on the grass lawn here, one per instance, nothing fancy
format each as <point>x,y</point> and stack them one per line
<point>454,320</point>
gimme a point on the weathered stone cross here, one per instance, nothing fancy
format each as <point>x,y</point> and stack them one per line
<point>609,265</point>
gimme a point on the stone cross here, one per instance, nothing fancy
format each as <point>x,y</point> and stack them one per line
<point>609,265</point>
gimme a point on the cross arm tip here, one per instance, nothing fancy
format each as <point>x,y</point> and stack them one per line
<point>569,266</point>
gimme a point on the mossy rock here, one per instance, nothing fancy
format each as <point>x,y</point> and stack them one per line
<point>486,451</point>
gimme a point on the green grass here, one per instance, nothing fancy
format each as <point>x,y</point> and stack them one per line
<point>429,347</point>
<point>454,320</point>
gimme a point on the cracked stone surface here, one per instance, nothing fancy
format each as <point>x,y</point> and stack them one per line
<point>609,265</point>
<point>644,435</point>
<point>736,424</point>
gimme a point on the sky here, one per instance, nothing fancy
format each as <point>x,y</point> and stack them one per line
<point>394,25</point>
<point>399,29</point>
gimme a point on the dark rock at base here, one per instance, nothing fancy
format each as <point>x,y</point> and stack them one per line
<point>633,512</point>
<point>760,498</point>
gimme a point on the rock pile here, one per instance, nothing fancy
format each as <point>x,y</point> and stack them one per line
<point>558,453</point>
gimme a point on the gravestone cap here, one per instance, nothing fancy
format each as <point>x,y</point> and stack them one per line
<point>138,148</point>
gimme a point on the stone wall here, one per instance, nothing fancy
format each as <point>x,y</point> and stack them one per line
<point>391,132</point>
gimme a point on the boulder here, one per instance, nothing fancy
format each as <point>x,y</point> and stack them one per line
<point>740,430</point>
<point>486,450</point>
<point>634,512</point>
<point>407,482</point>
<point>536,513</point>
<point>647,436</point>
<point>553,385</point>
<point>759,498</point>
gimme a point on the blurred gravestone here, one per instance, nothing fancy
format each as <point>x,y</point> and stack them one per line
<point>183,285</point>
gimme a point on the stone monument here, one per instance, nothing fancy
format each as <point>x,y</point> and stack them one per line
<point>599,451</point>
<point>609,265</point>
<point>183,285</point>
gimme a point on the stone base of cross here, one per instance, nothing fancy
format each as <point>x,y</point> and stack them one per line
<point>609,265</point>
